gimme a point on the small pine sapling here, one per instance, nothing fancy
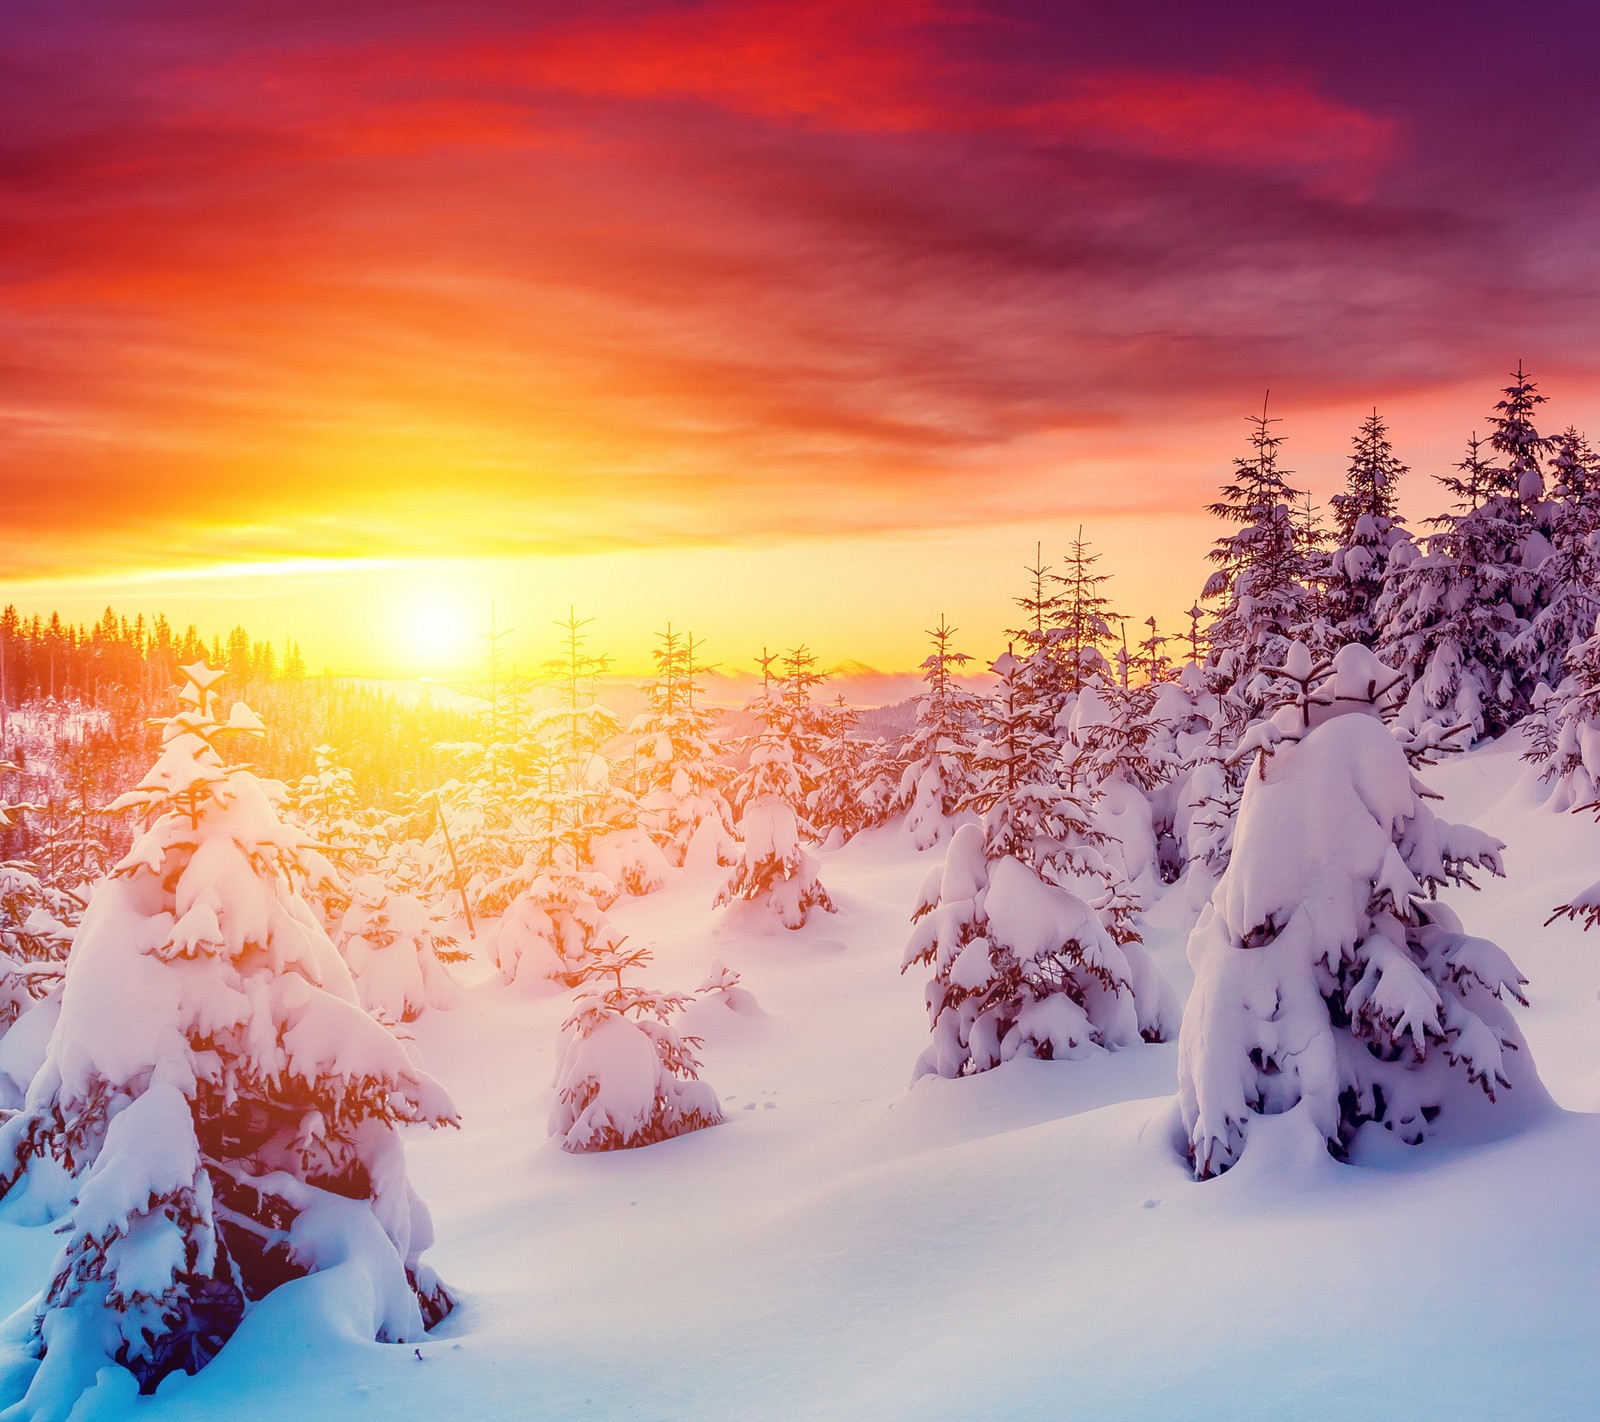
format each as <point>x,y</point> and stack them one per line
<point>627,1077</point>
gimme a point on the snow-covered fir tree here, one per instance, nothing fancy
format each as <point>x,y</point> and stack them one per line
<point>1455,614</point>
<point>1327,978</point>
<point>772,866</point>
<point>581,839</point>
<point>882,769</point>
<point>549,925</point>
<point>392,944</point>
<point>1019,924</point>
<point>1122,752</point>
<point>1367,529</point>
<point>353,837</point>
<point>627,1077</point>
<point>1564,733</point>
<point>838,809</point>
<point>37,924</point>
<point>1259,589</point>
<point>225,1110</point>
<point>590,814</point>
<point>1084,617</point>
<point>938,753</point>
<point>681,779</point>
<point>1567,598</point>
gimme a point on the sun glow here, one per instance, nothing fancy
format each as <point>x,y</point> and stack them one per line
<point>436,629</point>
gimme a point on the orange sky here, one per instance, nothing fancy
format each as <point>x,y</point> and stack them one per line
<point>798,319</point>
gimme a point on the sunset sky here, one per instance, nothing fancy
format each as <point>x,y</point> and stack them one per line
<point>798,319</point>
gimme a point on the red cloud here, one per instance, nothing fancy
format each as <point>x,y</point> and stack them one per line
<point>1216,118</point>
<point>842,65</point>
<point>832,63</point>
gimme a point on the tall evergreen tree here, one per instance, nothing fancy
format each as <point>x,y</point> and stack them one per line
<point>1455,615</point>
<point>680,779</point>
<point>1085,615</point>
<point>1259,586</point>
<point>938,772</point>
<point>1367,528</point>
<point>1567,599</point>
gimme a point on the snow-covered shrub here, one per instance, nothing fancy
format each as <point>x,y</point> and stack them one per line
<point>630,859</point>
<point>1326,977</point>
<point>390,943</point>
<point>225,1109</point>
<point>722,985</point>
<point>626,1076</point>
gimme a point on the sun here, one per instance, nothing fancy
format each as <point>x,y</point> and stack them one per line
<point>436,629</point>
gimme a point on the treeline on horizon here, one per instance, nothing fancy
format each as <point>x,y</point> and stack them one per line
<point>48,657</point>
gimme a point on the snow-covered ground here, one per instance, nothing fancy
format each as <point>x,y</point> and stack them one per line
<point>1027,1243</point>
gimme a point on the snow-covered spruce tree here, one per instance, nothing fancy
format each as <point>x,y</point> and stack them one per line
<point>772,868</point>
<point>1023,963</point>
<point>681,779</point>
<point>1565,732</point>
<point>225,1109</point>
<point>1367,529</point>
<point>1084,618</point>
<point>837,808</point>
<point>584,841</point>
<point>391,943</point>
<point>627,1077</point>
<point>1454,616</point>
<point>594,818</point>
<point>1123,754</point>
<point>37,925</point>
<point>938,752</point>
<point>882,767</point>
<point>1260,584</point>
<point>351,836</point>
<point>1567,600</point>
<point>1326,977</point>
<point>328,807</point>
<point>550,925</point>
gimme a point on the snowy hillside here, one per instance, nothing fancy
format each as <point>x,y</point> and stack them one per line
<point>1028,1242</point>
